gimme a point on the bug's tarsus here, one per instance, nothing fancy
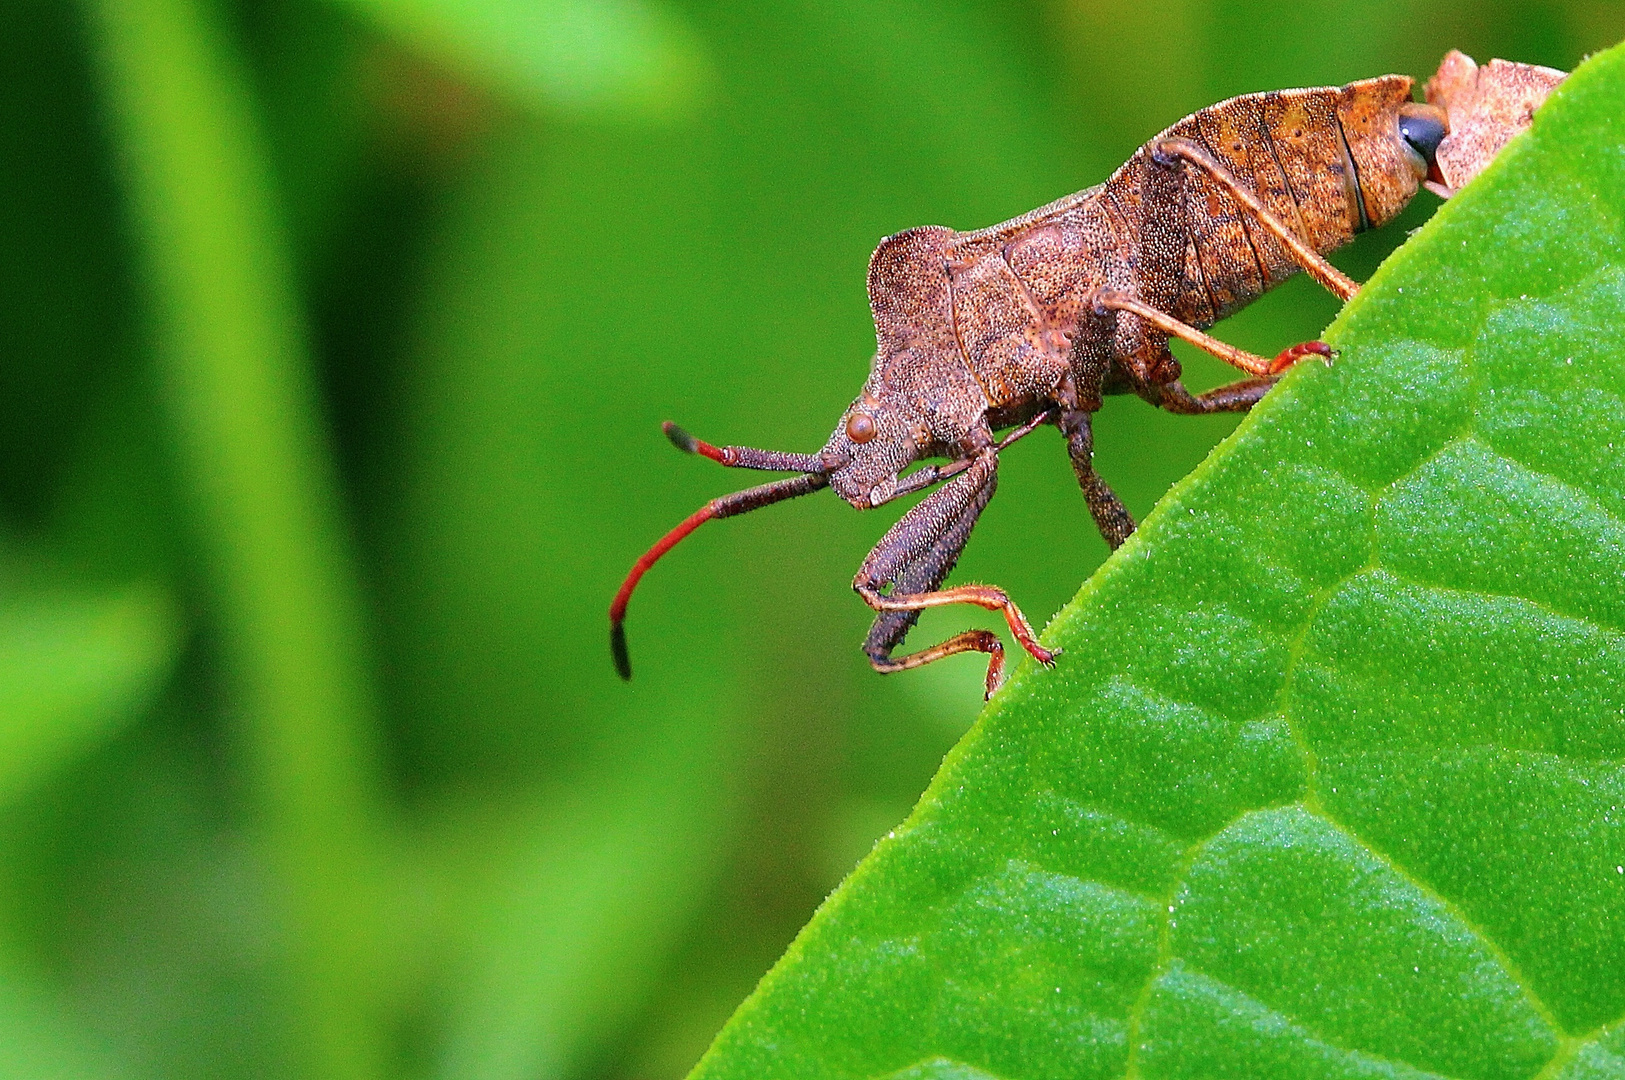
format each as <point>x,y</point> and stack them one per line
<point>984,641</point>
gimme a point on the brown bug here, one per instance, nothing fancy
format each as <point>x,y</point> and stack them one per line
<point>1030,322</point>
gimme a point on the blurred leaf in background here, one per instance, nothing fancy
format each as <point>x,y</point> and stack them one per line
<point>587,56</point>
<point>73,669</point>
<point>442,267</point>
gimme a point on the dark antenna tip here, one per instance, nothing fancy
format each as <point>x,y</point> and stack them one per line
<point>680,438</point>
<point>617,648</point>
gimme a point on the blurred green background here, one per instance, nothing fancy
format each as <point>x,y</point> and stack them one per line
<point>334,340</point>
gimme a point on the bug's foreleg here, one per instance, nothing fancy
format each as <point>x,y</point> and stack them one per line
<point>923,572</point>
<point>1111,516</point>
<point>891,627</point>
<point>1164,151</point>
<point>914,558</point>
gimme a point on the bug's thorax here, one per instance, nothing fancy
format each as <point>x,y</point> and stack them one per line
<point>957,338</point>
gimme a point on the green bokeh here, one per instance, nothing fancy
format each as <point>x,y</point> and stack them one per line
<point>334,341</point>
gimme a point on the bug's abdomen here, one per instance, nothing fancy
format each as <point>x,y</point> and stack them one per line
<point>1324,160</point>
<point>1287,147</point>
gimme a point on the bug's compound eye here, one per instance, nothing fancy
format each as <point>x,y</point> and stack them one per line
<point>860,427</point>
<point>1423,128</point>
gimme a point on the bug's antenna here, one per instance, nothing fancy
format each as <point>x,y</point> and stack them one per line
<point>748,457</point>
<point>740,502</point>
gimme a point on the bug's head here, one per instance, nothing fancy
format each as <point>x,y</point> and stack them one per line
<point>912,303</point>
<point>874,445</point>
<point>861,462</point>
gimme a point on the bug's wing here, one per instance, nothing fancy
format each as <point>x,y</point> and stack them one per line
<point>1486,107</point>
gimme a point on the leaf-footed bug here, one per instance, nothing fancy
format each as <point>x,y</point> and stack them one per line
<point>1031,322</point>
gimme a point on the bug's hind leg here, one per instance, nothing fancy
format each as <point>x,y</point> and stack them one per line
<point>1260,367</point>
<point>1111,516</point>
<point>1140,342</point>
<point>915,557</point>
<point>1330,277</point>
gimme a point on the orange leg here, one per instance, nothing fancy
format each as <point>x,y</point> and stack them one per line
<point>970,641</point>
<point>982,596</point>
<point>1105,300</point>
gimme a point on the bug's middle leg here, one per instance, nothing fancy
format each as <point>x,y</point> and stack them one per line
<point>1238,396</point>
<point>914,558</point>
<point>1111,516</point>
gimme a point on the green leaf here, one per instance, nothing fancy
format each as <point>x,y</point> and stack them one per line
<point>632,57</point>
<point>1329,780</point>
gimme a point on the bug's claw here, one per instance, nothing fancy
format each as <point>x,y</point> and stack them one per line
<point>1289,356</point>
<point>1036,651</point>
